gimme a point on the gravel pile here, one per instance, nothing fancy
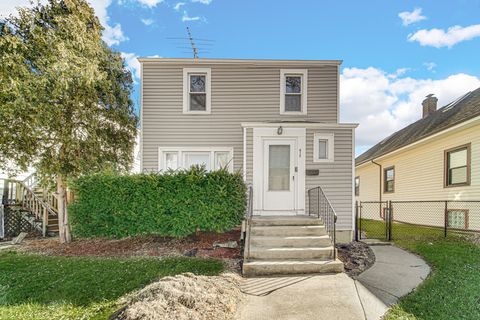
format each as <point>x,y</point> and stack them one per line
<point>184,297</point>
<point>356,257</point>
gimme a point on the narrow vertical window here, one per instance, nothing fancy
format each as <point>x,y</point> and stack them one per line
<point>196,90</point>
<point>293,91</point>
<point>357,186</point>
<point>197,93</point>
<point>389,180</point>
<point>323,147</point>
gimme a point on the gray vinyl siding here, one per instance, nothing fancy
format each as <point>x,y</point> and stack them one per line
<point>245,93</point>
<point>335,178</point>
<point>240,93</point>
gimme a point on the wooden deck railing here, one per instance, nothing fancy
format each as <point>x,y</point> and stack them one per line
<point>21,193</point>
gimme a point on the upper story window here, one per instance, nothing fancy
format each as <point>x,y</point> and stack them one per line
<point>293,91</point>
<point>389,180</point>
<point>323,147</point>
<point>357,186</point>
<point>457,166</point>
<point>196,90</point>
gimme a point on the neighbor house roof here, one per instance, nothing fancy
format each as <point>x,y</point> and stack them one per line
<point>464,108</point>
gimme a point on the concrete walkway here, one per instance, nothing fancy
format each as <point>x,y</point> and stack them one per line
<point>335,296</point>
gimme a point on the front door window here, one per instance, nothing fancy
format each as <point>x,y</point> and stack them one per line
<point>279,168</point>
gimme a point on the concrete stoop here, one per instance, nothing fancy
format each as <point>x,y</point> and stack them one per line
<point>289,245</point>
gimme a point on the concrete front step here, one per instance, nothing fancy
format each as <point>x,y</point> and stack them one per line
<point>315,230</point>
<point>286,221</point>
<point>284,267</point>
<point>316,253</point>
<point>291,241</point>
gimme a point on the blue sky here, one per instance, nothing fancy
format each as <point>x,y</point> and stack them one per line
<point>394,52</point>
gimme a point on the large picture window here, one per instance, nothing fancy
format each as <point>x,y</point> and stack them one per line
<point>196,90</point>
<point>457,166</point>
<point>213,158</point>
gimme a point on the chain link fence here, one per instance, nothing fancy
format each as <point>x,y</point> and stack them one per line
<point>395,220</point>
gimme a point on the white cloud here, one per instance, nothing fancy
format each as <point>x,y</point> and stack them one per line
<point>178,6</point>
<point>8,7</point>
<point>430,66</point>
<point>399,72</point>
<point>112,34</point>
<point>440,38</point>
<point>149,3</point>
<point>411,17</point>
<point>147,22</point>
<point>383,105</point>
<point>186,17</point>
<point>207,2</point>
<point>132,63</point>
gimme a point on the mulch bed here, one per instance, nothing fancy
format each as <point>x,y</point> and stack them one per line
<point>356,257</point>
<point>199,245</point>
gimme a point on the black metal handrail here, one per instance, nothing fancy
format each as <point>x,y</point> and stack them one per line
<point>248,220</point>
<point>320,206</point>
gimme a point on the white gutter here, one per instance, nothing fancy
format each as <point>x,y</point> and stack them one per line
<point>245,154</point>
<point>299,125</point>
<point>466,124</point>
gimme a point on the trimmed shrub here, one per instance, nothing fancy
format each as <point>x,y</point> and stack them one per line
<point>173,204</point>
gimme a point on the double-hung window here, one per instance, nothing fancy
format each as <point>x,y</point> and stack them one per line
<point>457,166</point>
<point>293,91</point>
<point>213,158</point>
<point>389,180</point>
<point>196,90</point>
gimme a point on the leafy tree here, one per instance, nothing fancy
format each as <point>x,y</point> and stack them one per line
<point>65,105</point>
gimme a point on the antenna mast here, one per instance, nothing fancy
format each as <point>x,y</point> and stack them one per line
<point>192,43</point>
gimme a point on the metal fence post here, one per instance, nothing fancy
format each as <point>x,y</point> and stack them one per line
<point>445,222</point>
<point>356,220</point>
<point>390,220</point>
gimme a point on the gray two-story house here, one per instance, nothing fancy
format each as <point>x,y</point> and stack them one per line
<point>276,121</point>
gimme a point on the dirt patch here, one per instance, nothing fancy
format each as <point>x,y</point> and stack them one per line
<point>356,257</point>
<point>475,238</point>
<point>184,297</point>
<point>201,244</point>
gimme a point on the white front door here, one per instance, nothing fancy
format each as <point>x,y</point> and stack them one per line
<point>279,173</point>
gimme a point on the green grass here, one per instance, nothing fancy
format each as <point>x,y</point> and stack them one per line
<point>452,291</point>
<point>42,287</point>
<point>376,229</point>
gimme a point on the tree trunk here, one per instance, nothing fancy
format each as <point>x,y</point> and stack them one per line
<point>63,226</point>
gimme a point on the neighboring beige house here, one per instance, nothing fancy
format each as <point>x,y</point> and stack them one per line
<point>435,158</point>
<point>275,121</point>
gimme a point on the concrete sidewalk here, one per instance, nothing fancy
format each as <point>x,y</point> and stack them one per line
<point>335,296</point>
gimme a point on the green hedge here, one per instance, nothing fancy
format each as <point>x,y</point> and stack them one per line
<point>170,204</point>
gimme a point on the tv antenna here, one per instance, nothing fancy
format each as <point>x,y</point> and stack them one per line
<point>196,46</point>
<point>192,43</point>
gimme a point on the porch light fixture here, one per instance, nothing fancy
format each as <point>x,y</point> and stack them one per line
<point>280,130</point>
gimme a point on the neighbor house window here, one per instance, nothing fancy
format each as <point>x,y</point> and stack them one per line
<point>213,158</point>
<point>196,90</point>
<point>457,166</point>
<point>457,219</point>
<point>323,147</point>
<point>389,179</point>
<point>357,186</point>
<point>293,91</point>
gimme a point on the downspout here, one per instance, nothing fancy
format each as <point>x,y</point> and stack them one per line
<point>379,180</point>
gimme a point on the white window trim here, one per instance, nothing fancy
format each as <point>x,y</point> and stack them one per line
<point>208,90</point>
<point>331,147</point>
<point>293,72</point>
<point>180,151</point>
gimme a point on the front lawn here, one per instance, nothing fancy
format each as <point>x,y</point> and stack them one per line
<point>42,287</point>
<point>453,289</point>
